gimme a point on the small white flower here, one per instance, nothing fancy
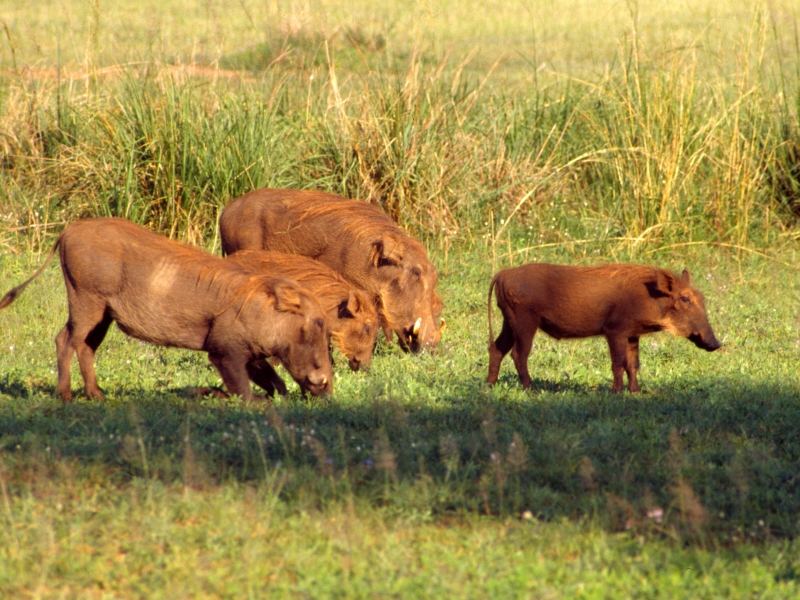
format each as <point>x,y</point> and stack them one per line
<point>656,514</point>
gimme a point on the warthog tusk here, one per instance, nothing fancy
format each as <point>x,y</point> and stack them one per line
<point>417,326</point>
<point>442,325</point>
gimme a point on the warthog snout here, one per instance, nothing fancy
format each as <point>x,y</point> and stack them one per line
<point>421,335</point>
<point>707,342</point>
<point>318,384</point>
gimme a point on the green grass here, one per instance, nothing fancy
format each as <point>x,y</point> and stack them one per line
<point>654,132</point>
<point>416,477</point>
<point>237,541</point>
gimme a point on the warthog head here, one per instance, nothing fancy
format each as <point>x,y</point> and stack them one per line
<point>409,304</point>
<point>355,329</point>
<point>685,315</point>
<point>305,352</point>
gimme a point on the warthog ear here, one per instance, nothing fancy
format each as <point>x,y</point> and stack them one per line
<point>386,251</point>
<point>661,286</point>
<point>310,327</point>
<point>349,306</point>
<point>686,279</point>
<point>287,298</point>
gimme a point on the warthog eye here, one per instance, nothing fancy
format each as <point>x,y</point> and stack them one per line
<point>685,299</point>
<point>387,262</point>
<point>416,272</point>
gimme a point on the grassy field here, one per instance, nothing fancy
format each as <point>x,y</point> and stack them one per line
<point>580,132</point>
<point>415,477</point>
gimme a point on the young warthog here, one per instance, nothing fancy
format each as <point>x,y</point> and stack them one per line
<point>170,294</point>
<point>350,313</point>
<point>352,237</point>
<point>620,302</point>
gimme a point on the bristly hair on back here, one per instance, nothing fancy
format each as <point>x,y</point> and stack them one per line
<point>233,287</point>
<point>371,222</point>
<point>327,286</point>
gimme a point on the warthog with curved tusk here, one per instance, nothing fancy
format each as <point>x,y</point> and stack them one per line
<point>352,237</point>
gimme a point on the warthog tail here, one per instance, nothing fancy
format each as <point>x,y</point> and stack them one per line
<point>12,294</point>
<point>489,308</point>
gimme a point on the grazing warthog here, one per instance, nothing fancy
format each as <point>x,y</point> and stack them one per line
<point>171,294</point>
<point>352,237</point>
<point>620,302</point>
<point>350,313</point>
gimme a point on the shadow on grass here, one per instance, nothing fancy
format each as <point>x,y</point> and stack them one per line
<point>539,385</point>
<point>716,459</point>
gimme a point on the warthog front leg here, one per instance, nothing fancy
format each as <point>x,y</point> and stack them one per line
<point>632,363</point>
<point>263,375</point>
<point>618,348</point>
<point>234,373</point>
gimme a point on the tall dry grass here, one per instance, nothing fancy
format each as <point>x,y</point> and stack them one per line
<point>650,151</point>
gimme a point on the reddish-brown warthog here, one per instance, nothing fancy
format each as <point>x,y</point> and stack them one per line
<point>349,312</point>
<point>352,237</point>
<point>620,302</point>
<point>170,294</point>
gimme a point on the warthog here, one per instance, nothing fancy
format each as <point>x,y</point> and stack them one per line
<point>350,313</point>
<point>171,294</point>
<point>620,302</point>
<point>352,237</point>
